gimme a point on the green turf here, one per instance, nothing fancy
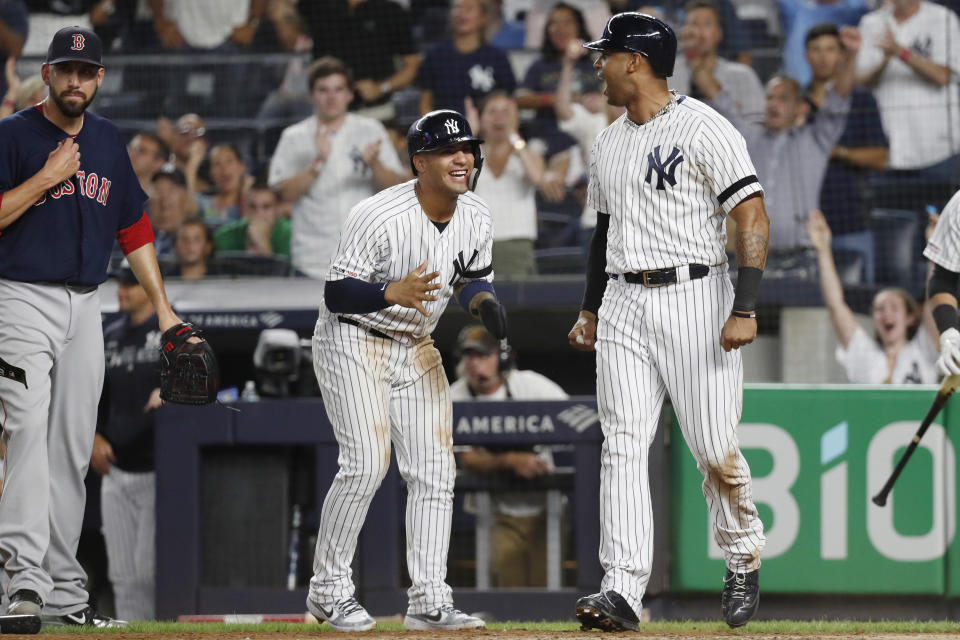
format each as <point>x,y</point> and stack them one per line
<point>757,627</point>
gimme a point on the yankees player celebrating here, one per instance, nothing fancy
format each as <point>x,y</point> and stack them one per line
<point>943,250</point>
<point>662,315</point>
<point>59,215</point>
<point>404,252</point>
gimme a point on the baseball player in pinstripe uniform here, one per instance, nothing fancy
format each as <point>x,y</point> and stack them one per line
<point>943,250</point>
<point>67,194</point>
<point>662,315</point>
<point>403,253</point>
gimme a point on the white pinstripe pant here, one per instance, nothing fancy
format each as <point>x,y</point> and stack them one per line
<point>652,342</point>
<point>377,391</point>
<point>128,507</point>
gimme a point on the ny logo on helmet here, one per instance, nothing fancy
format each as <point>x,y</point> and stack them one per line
<point>452,126</point>
<point>77,42</point>
<point>665,168</point>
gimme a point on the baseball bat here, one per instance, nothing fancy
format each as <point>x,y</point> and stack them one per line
<point>947,387</point>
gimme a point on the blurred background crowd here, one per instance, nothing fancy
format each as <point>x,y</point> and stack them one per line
<point>255,125</point>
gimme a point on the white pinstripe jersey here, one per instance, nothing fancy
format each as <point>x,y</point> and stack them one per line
<point>943,247</point>
<point>667,186</point>
<point>388,235</point>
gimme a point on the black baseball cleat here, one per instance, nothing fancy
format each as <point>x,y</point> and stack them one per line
<point>87,617</point>
<point>741,597</point>
<point>607,611</point>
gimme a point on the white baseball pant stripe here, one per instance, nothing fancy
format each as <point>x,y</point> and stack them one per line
<point>55,335</point>
<point>652,342</point>
<point>377,391</point>
<point>128,506</point>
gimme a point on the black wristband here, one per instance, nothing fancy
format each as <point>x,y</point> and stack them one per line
<point>748,287</point>
<point>743,314</point>
<point>945,316</point>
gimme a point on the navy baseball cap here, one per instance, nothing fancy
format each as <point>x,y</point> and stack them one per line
<point>75,44</point>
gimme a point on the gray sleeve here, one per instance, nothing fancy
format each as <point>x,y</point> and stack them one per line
<point>831,120</point>
<point>726,106</point>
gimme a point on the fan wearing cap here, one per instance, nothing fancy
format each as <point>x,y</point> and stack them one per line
<point>123,447</point>
<point>660,311</point>
<point>68,193</point>
<point>403,254</point>
<point>518,556</point>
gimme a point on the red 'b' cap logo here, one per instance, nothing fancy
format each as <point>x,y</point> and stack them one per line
<point>77,42</point>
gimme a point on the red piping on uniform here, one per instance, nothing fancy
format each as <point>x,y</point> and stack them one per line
<point>136,235</point>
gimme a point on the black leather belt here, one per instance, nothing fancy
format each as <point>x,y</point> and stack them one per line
<point>76,288</point>
<point>662,277</point>
<point>373,332</point>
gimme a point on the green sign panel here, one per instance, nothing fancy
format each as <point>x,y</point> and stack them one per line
<point>817,455</point>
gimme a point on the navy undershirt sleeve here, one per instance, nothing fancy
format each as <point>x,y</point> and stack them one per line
<point>351,295</point>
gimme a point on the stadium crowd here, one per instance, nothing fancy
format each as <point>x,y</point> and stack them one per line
<point>324,127</point>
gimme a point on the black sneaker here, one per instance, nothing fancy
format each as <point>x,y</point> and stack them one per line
<point>741,597</point>
<point>25,602</point>
<point>84,618</point>
<point>607,611</point>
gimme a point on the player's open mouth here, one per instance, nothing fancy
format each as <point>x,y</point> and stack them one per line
<point>459,175</point>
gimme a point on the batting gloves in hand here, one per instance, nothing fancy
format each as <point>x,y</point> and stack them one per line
<point>948,364</point>
<point>494,317</point>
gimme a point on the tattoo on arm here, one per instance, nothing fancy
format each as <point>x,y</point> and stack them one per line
<point>751,249</point>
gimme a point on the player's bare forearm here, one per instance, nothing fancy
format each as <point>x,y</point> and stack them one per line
<point>143,263</point>
<point>753,232</point>
<point>62,163</point>
<point>16,201</point>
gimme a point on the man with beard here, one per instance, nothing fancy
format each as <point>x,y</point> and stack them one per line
<point>60,215</point>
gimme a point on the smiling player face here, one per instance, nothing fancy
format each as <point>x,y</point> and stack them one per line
<point>447,169</point>
<point>73,85</point>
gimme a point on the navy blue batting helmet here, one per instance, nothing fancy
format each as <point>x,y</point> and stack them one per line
<point>641,33</point>
<point>439,129</point>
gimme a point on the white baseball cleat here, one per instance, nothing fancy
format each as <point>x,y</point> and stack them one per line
<point>345,615</point>
<point>447,618</point>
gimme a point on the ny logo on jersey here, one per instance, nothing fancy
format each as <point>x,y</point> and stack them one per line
<point>922,46</point>
<point>481,78</point>
<point>665,168</point>
<point>452,126</point>
<point>78,42</point>
<point>460,266</point>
